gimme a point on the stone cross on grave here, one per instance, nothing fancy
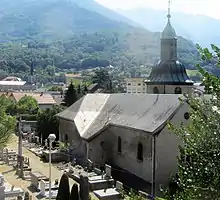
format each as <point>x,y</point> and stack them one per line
<point>45,143</point>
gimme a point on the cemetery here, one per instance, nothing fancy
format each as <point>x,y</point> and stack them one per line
<point>9,191</point>
<point>89,178</point>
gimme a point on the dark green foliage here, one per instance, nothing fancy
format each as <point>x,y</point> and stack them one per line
<point>74,195</point>
<point>85,89</point>
<point>27,105</point>
<point>101,77</point>
<point>70,95</point>
<point>7,123</point>
<point>64,188</point>
<point>120,49</point>
<point>47,122</point>
<point>56,89</point>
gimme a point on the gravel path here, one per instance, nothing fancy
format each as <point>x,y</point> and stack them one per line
<point>35,164</point>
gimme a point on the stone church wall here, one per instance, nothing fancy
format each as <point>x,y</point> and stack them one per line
<point>69,132</point>
<point>127,158</point>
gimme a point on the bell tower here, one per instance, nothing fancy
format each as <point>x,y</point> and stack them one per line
<point>169,75</point>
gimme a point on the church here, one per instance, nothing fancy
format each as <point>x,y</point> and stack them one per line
<point>130,130</point>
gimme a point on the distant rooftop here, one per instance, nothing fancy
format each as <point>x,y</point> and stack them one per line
<point>12,80</point>
<point>40,97</point>
<point>73,75</point>
<point>13,83</point>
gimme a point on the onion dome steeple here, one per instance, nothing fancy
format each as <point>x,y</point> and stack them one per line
<point>169,70</point>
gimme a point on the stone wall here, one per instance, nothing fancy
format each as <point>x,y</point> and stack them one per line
<point>167,149</point>
<point>105,148</point>
<point>68,130</point>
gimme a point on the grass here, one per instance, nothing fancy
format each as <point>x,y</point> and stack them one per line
<point>193,72</point>
<point>79,81</point>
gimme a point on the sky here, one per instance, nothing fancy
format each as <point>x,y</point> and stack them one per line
<point>204,7</point>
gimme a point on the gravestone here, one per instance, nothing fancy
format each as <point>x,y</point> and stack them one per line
<point>37,139</point>
<point>90,165</point>
<point>84,188</point>
<point>42,187</point>
<point>108,171</point>
<point>119,186</point>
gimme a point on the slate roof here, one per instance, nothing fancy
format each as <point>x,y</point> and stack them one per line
<point>169,73</point>
<point>145,112</point>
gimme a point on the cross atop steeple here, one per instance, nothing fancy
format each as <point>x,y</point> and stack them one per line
<point>169,15</point>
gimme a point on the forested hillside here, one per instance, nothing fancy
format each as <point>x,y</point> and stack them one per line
<point>61,33</point>
<point>91,50</point>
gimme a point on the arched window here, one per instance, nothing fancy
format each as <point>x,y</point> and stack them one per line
<point>119,144</point>
<point>140,152</point>
<point>155,90</point>
<point>66,138</point>
<point>178,90</point>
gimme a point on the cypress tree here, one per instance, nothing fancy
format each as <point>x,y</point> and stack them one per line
<point>70,95</point>
<point>64,188</point>
<point>74,195</point>
<point>79,92</point>
<point>85,89</point>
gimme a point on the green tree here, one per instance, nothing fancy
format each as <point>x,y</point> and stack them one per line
<point>9,104</point>
<point>7,124</point>
<point>101,77</point>
<point>74,195</point>
<point>47,122</point>
<point>27,105</point>
<point>85,89</point>
<point>198,172</point>
<point>50,70</point>
<point>64,188</point>
<point>70,96</point>
<point>56,89</point>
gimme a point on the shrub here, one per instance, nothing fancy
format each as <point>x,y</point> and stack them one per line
<point>64,188</point>
<point>74,195</point>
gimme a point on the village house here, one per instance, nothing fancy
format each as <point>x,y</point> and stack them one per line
<point>44,100</point>
<point>12,83</point>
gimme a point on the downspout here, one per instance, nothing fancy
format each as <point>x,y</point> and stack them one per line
<point>153,166</point>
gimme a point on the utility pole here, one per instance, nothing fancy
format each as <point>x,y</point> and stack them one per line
<point>19,156</point>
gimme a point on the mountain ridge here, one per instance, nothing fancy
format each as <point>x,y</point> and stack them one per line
<point>198,28</point>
